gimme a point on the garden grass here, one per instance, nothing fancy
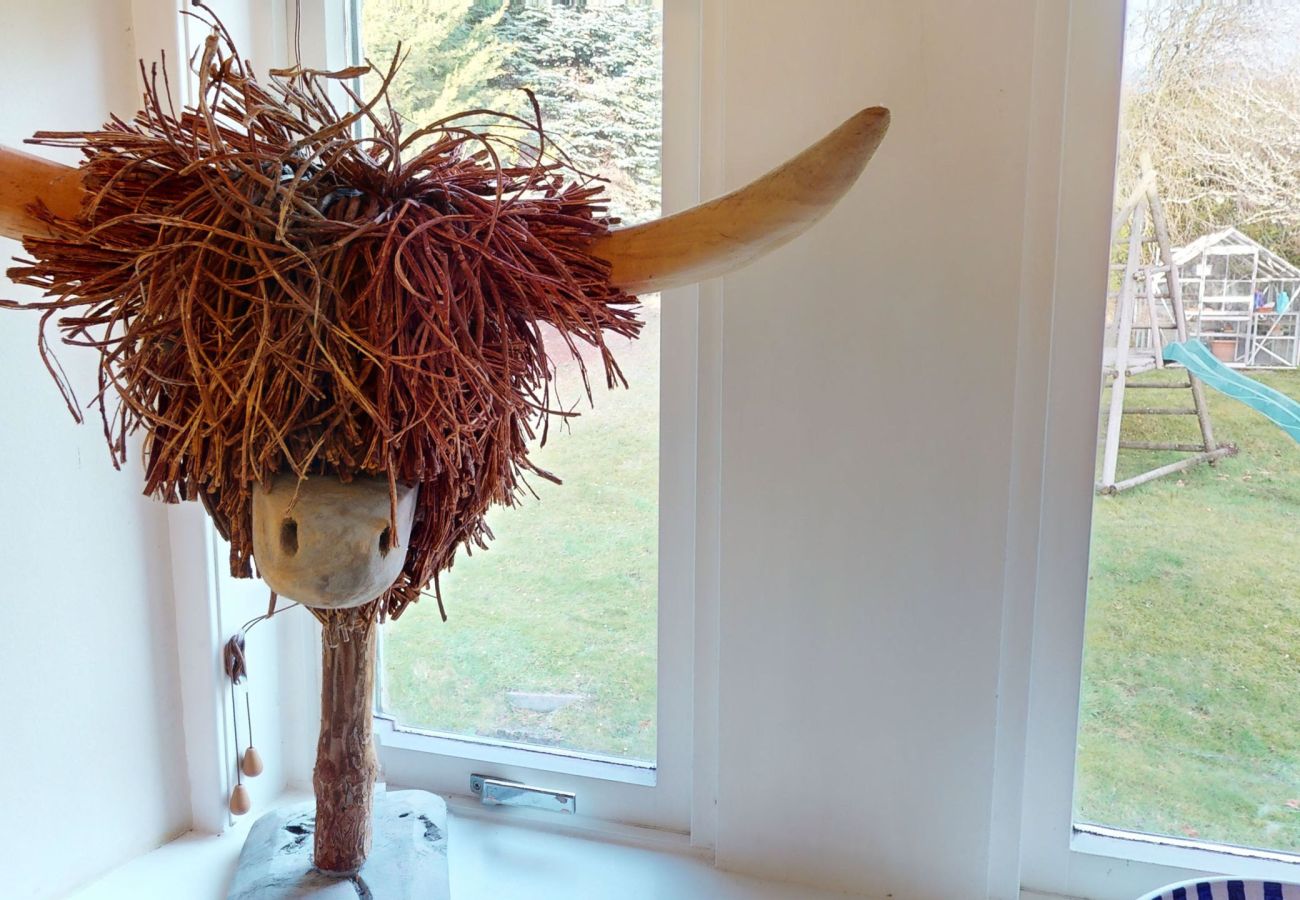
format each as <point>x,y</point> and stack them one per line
<point>1190,719</point>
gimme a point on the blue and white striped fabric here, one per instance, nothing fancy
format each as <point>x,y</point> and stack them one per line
<point>1227,889</point>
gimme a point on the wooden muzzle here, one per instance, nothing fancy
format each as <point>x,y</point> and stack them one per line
<point>328,544</point>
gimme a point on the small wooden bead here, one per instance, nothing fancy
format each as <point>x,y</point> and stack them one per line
<point>240,802</point>
<point>252,763</point>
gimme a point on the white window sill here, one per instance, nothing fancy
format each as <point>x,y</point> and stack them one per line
<point>489,860</point>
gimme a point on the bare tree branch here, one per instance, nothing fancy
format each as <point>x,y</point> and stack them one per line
<point>1213,95</point>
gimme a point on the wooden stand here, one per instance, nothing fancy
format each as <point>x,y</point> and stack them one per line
<point>350,842</point>
<point>346,766</point>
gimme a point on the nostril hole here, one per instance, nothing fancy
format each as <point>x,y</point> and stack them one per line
<point>385,541</point>
<point>289,537</point>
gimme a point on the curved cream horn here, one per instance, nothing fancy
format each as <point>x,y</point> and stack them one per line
<point>724,234</point>
<point>24,179</point>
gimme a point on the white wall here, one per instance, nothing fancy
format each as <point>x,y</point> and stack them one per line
<point>92,767</point>
<point>869,374</point>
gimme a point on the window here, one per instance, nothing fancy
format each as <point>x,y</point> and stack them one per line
<point>551,640</point>
<point>1178,723</point>
<point>566,661</point>
<point>1189,700</point>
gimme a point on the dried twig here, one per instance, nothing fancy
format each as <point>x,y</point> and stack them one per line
<point>270,292</point>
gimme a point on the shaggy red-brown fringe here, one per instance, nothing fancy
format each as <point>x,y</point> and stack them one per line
<point>275,285</point>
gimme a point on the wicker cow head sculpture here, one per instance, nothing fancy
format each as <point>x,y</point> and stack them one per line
<point>334,342</point>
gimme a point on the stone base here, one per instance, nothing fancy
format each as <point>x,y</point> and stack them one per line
<point>408,860</point>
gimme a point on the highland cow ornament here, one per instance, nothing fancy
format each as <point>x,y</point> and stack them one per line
<point>328,329</point>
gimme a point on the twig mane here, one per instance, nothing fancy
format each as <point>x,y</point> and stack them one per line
<point>275,285</point>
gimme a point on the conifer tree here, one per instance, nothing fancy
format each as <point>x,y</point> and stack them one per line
<point>453,54</point>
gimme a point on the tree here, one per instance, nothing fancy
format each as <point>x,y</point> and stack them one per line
<point>1213,98</point>
<point>598,75</point>
<point>453,54</point>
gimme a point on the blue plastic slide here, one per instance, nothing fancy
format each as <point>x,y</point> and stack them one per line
<point>1278,407</point>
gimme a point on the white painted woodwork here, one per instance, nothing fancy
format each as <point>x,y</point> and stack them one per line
<point>867,398</point>
<point>489,860</point>
<point>92,737</point>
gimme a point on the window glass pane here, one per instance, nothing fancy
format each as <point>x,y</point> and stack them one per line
<point>1191,693</point>
<point>1241,266</point>
<point>552,632</point>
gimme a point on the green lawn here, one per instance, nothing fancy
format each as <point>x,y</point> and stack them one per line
<point>564,601</point>
<point>1191,700</point>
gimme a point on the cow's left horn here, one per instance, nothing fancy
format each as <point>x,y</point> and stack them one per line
<point>703,242</point>
<point>724,234</point>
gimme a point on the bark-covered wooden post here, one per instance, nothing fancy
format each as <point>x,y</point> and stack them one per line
<point>346,767</point>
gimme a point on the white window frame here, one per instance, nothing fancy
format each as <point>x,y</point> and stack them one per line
<point>211,604</point>
<point>673,797</point>
<point>1054,489</point>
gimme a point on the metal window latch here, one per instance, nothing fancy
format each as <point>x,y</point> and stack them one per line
<point>497,792</point>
